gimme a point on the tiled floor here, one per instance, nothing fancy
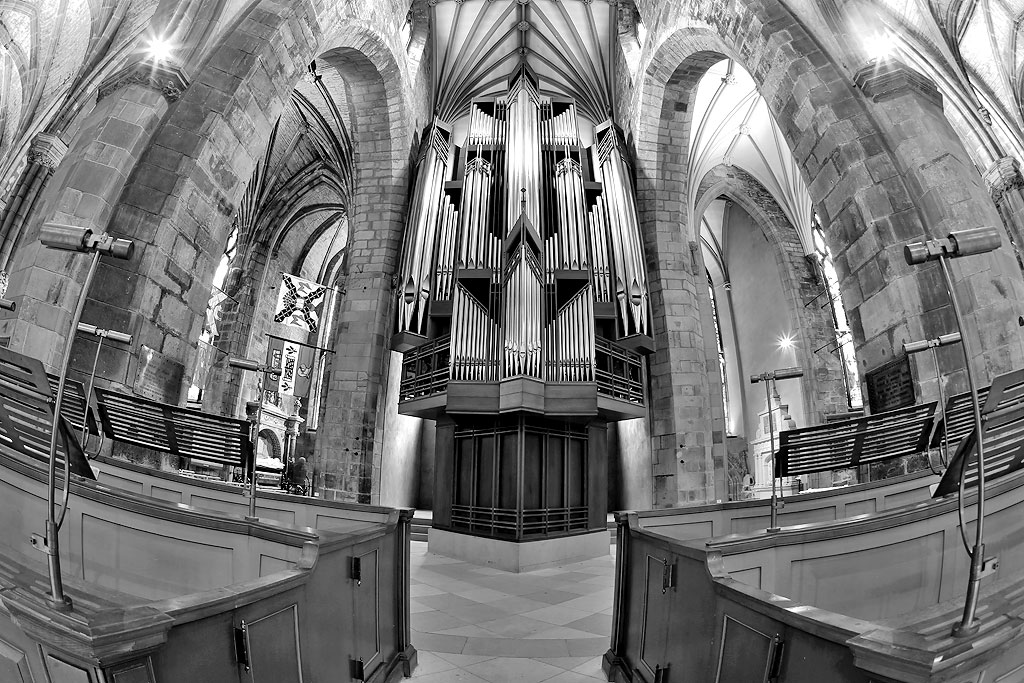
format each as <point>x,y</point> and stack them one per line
<point>475,624</point>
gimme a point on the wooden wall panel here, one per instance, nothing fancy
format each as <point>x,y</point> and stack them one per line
<point>850,583</point>
<point>273,643</point>
<point>150,565</point>
<point>13,662</point>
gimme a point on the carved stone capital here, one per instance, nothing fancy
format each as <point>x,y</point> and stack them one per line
<point>1002,177</point>
<point>888,78</point>
<point>169,79</point>
<point>47,150</point>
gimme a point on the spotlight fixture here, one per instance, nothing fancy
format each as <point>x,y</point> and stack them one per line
<point>786,342</point>
<point>878,45</point>
<point>84,240</point>
<point>80,240</point>
<point>160,49</point>
<point>956,244</point>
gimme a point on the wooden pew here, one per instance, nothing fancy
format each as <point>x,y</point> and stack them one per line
<point>26,415</point>
<point>861,441</point>
<point>167,592</point>
<point>871,598</point>
<point>182,432</point>
<point>1002,425</point>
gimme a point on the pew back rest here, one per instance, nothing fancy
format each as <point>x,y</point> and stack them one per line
<point>26,413</point>
<point>73,407</point>
<point>1002,425</point>
<point>863,440</point>
<point>957,419</point>
<point>171,429</point>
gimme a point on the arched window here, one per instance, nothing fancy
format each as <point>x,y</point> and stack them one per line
<point>208,337</point>
<point>844,338</point>
<point>721,350</point>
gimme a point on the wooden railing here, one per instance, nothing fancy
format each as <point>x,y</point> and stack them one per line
<point>618,372</point>
<point>425,369</point>
<point>863,599</point>
<point>163,591</point>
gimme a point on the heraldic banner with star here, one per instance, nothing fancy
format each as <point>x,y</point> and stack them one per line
<point>300,303</point>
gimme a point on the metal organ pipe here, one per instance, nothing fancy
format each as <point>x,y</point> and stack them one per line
<point>418,257</point>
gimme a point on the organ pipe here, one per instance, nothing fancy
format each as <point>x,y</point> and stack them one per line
<point>522,301</point>
<point>414,289</point>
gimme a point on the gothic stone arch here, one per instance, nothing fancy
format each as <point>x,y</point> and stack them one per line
<point>883,167</point>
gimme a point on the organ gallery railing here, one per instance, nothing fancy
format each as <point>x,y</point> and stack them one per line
<point>427,369</point>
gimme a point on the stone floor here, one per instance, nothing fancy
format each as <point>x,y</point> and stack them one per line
<point>475,624</point>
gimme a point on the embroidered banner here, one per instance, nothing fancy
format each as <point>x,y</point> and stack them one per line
<point>292,364</point>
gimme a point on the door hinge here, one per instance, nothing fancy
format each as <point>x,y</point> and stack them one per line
<point>668,576</point>
<point>358,670</point>
<point>241,646</point>
<point>778,649</point>
<point>356,571</point>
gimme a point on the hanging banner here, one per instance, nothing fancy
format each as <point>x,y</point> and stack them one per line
<point>300,303</point>
<point>292,363</point>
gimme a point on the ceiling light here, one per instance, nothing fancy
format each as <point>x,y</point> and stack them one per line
<point>160,49</point>
<point>878,44</point>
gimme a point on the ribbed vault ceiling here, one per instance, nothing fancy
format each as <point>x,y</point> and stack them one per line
<point>567,43</point>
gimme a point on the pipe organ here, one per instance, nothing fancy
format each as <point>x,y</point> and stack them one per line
<point>522,301</point>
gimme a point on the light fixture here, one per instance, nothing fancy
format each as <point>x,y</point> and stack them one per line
<point>786,342</point>
<point>160,49</point>
<point>957,244</point>
<point>769,378</point>
<point>84,240</point>
<point>878,44</point>
<point>81,240</point>
<point>8,305</point>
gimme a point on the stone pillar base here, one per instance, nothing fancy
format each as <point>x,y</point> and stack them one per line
<point>519,557</point>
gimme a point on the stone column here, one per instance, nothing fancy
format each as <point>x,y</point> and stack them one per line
<point>929,189</point>
<point>44,155</point>
<point>83,192</point>
<point>1006,185</point>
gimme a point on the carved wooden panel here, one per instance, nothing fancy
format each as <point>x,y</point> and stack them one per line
<point>62,672</point>
<point>746,654</point>
<point>273,646</point>
<point>13,664</point>
<point>366,612</point>
<point>134,672</point>
<point>653,637</point>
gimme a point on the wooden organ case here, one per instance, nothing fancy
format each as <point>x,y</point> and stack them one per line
<point>522,314</point>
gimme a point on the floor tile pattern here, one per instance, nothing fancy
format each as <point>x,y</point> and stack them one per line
<point>474,624</point>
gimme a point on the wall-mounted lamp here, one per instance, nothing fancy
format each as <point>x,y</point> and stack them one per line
<point>769,378</point>
<point>957,244</point>
<point>82,240</point>
<point>8,305</point>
